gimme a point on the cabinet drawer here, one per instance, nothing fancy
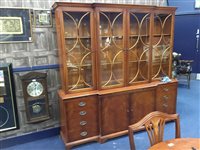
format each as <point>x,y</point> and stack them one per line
<point>81,107</point>
<point>81,103</point>
<point>82,128</point>
<point>82,120</point>
<point>166,98</point>
<point>166,89</point>
<point>82,133</point>
<point>83,113</point>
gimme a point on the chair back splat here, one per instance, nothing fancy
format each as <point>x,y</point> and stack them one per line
<point>154,124</point>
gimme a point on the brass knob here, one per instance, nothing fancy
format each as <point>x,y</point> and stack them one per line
<point>82,113</point>
<point>165,105</point>
<point>165,97</point>
<point>81,104</point>
<point>166,89</point>
<point>84,133</point>
<point>82,123</point>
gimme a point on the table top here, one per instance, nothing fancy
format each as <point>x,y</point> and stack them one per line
<point>178,144</point>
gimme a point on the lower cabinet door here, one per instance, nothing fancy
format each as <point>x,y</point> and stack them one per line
<point>114,113</point>
<point>141,103</point>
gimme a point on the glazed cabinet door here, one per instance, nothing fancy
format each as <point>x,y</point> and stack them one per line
<point>110,39</point>
<point>141,103</point>
<point>138,46</point>
<point>162,44</point>
<point>166,97</point>
<point>82,118</point>
<point>78,50</point>
<point>114,117</point>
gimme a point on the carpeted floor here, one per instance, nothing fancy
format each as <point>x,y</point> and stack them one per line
<point>188,106</point>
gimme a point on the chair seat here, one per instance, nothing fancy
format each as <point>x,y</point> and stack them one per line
<point>184,68</point>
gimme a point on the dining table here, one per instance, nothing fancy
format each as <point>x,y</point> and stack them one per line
<point>178,144</point>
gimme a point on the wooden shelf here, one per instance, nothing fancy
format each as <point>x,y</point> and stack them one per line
<point>111,36</point>
<point>137,61</point>
<point>82,37</point>
<point>78,66</point>
<point>115,63</point>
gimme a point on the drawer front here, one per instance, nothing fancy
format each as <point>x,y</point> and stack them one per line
<point>80,104</point>
<point>82,128</point>
<point>82,120</point>
<point>166,98</point>
<point>166,89</point>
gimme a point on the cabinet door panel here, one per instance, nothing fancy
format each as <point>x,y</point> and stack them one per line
<point>111,49</point>
<point>78,50</point>
<point>142,103</point>
<point>162,41</point>
<point>114,113</point>
<point>138,47</point>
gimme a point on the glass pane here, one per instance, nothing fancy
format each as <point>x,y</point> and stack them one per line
<point>161,45</point>
<point>78,49</point>
<point>138,50</point>
<point>111,48</point>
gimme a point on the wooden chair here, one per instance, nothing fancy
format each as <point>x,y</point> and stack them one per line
<point>154,123</point>
<point>185,69</point>
<point>181,67</point>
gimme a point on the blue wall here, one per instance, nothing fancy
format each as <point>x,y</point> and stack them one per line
<point>187,21</point>
<point>184,6</point>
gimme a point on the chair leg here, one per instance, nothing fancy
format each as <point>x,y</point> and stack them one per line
<point>188,78</point>
<point>131,139</point>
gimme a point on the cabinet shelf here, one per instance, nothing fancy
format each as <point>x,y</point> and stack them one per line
<point>145,35</point>
<point>115,63</point>
<point>155,35</point>
<point>78,66</point>
<point>111,36</point>
<point>136,35</point>
<point>82,37</point>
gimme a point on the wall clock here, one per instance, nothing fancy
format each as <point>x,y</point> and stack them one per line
<point>34,86</point>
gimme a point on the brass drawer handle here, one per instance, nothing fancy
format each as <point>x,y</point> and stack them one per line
<point>81,104</point>
<point>82,123</point>
<point>165,97</point>
<point>166,89</point>
<point>84,133</point>
<point>165,105</point>
<point>82,113</point>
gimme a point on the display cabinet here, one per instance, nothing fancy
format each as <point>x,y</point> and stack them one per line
<point>112,58</point>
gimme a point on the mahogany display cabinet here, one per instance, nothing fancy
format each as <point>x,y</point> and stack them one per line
<point>112,58</point>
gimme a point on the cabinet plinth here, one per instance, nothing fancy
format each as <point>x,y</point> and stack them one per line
<point>111,64</point>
